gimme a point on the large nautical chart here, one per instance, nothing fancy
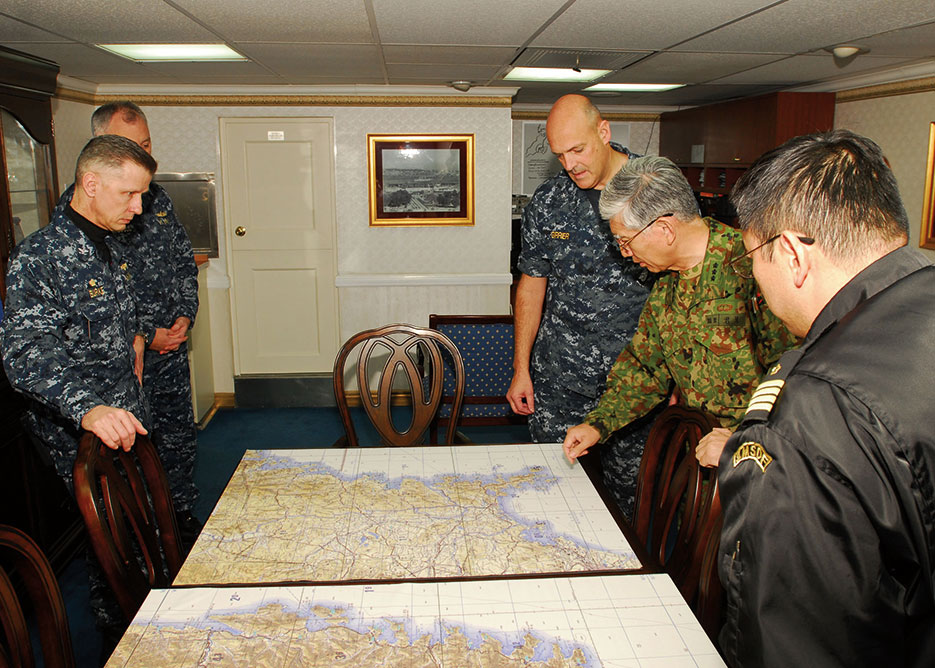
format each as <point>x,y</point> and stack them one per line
<point>405,513</point>
<point>611,621</point>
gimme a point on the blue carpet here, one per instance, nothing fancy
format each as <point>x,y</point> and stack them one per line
<point>220,447</point>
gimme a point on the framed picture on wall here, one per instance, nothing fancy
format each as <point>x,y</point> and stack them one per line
<point>928,203</point>
<point>421,179</point>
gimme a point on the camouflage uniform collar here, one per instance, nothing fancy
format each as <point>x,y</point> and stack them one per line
<point>719,250</point>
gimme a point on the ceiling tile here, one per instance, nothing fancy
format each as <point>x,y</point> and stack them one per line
<point>475,73</point>
<point>631,24</point>
<point>12,31</point>
<point>480,22</point>
<point>797,26</point>
<point>469,55</point>
<point>918,42</point>
<point>107,21</point>
<point>807,68</point>
<point>322,21</point>
<point>348,60</point>
<point>670,67</point>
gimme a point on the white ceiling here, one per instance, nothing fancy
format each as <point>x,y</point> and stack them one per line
<point>722,48</point>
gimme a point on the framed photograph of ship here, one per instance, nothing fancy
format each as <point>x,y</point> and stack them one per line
<point>421,179</point>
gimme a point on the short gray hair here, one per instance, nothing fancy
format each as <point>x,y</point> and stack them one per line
<point>112,151</point>
<point>645,189</point>
<point>129,112</point>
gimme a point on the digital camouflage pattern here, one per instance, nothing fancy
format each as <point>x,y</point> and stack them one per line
<point>67,334</point>
<point>592,305</point>
<point>164,280</point>
<point>711,337</point>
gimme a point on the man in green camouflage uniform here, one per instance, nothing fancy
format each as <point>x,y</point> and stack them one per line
<point>704,330</point>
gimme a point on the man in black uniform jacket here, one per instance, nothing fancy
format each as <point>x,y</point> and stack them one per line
<point>828,487</point>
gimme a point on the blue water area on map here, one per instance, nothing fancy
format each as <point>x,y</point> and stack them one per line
<point>389,631</point>
<point>537,531</point>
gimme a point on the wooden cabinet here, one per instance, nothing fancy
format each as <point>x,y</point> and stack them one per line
<point>27,150</point>
<point>714,144</point>
<point>32,497</point>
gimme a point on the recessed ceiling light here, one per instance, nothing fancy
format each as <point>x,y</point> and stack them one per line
<point>554,74</point>
<point>169,52</point>
<point>632,87</point>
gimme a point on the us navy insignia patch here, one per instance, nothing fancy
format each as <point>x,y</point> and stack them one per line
<point>754,452</point>
<point>94,290</point>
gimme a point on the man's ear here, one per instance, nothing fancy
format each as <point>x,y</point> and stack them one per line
<point>90,183</point>
<point>603,131</point>
<point>668,230</point>
<point>796,255</point>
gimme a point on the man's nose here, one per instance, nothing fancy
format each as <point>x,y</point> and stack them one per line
<point>136,204</point>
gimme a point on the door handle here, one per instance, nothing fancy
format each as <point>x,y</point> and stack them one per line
<point>240,231</point>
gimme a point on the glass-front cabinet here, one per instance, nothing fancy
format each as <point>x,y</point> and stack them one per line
<point>27,149</point>
<point>28,170</point>
<point>32,497</point>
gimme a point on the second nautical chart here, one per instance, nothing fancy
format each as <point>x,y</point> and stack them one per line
<point>405,513</point>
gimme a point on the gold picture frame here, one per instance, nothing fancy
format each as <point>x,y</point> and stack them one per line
<point>928,203</point>
<point>421,180</point>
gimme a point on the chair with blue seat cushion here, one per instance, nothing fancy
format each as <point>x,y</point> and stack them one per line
<point>486,346</point>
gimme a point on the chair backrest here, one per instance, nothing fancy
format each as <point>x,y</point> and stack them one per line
<point>20,553</point>
<point>486,346</point>
<point>678,510</point>
<point>127,509</point>
<point>416,353</point>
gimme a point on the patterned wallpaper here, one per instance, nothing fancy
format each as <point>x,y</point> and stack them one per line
<point>900,125</point>
<point>186,139</point>
<point>644,139</point>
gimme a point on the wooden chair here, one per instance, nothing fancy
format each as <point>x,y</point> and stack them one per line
<point>678,510</point>
<point>20,553</point>
<point>416,353</point>
<point>127,509</point>
<point>486,346</point>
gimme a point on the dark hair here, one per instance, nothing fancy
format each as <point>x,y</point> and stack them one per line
<point>112,151</point>
<point>129,113</point>
<point>834,187</point>
<point>646,188</point>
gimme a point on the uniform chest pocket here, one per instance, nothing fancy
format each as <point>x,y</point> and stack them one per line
<point>724,328</point>
<point>97,322</point>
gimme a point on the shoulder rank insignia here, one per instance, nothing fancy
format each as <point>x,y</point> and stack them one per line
<point>754,452</point>
<point>162,217</point>
<point>769,389</point>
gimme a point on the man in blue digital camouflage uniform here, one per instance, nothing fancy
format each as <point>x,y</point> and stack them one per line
<point>69,332</point>
<point>164,280</point>
<point>578,300</point>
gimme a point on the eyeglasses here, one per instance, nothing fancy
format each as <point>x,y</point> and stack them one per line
<point>624,244</point>
<point>744,272</point>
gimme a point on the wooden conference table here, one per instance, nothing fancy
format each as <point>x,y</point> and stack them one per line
<point>472,555</point>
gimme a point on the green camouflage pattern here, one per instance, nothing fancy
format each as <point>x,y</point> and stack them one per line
<point>714,351</point>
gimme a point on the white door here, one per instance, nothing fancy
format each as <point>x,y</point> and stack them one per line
<point>278,178</point>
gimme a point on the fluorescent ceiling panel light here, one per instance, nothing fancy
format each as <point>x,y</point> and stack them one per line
<point>169,52</point>
<point>632,87</point>
<point>554,74</point>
